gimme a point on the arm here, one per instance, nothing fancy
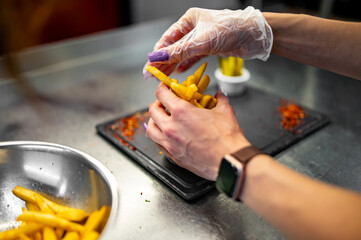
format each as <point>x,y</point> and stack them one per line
<point>301,208</point>
<point>328,44</point>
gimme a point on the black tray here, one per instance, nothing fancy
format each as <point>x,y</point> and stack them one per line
<point>257,113</point>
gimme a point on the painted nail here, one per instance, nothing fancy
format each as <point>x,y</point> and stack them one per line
<point>158,56</point>
<point>145,126</point>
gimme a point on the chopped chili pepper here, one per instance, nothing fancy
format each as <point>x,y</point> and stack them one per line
<point>292,115</point>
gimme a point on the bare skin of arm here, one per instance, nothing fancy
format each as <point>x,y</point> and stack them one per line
<point>328,44</point>
<point>300,207</point>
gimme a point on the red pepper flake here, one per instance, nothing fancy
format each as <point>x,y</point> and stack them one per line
<point>292,115</point>
<point>127,126</point>
<point>141,193</point>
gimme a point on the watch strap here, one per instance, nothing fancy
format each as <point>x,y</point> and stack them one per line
<point>244,155</point>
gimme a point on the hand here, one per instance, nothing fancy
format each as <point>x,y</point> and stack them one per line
<point>194,138</point>
<point>202,32</point>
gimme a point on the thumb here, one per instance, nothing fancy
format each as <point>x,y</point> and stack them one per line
<point>221,99</point>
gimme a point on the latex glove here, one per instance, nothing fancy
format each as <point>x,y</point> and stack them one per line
<point>194,138</point>
<point>202,32</point>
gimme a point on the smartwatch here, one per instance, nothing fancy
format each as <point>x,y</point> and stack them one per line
<point>232,171</point>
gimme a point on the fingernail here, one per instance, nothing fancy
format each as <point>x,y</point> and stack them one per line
<point>145,126</point>
<point>158,56</point>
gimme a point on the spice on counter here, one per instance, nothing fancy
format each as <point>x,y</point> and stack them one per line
<point>292,115</point>
<point>147,200</point>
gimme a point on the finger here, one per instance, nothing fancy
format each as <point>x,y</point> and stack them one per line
<point>185,65</point>
<point>154,132</point>
<point>158,113</point>
<point>168,98</point>
<point>175,32</point>
<point>221,99</point>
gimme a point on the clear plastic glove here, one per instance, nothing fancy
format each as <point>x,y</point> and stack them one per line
<point>202,32</point>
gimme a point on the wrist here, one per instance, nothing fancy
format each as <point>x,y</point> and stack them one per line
<point>232,171</point>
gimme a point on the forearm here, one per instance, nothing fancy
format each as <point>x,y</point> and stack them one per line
<point>328,44</point>
<point>299,207</point>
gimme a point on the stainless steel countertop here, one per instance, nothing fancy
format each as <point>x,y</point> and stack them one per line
<point>98,77</point>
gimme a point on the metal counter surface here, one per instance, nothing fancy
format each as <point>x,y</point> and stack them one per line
<point>99,77</point>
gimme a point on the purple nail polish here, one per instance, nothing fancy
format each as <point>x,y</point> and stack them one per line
<point>158,56</point>
<point>145,126</point>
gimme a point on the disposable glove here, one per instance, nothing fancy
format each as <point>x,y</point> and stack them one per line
<point>202,32</point>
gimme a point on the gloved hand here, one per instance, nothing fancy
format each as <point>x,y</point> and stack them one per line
<point>202,32</point>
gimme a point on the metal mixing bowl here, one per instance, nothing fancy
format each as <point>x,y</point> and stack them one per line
<point>64,175</point>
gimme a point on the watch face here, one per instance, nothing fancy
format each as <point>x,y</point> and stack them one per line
<point>227,178</point>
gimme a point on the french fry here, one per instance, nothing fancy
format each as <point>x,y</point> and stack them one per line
<point>191,92</point>
<point>49,234</point>
<point>72,214</point>
<point>158,74</point>
<point>91,235</point>
<point>195,103</point>
<point>59,232</point>
<point>43,221</point>
<point>42,205</point>
<point>205,100</point>
<point>37,235</point>
<point>203,84</point>
<point>191,89</point>
<point>25,229</point>
<point>24,237</point>
<point>32,207</point>
<point>198,74</point>
<point>178,89</point>
<point>212,103</point>
<point>106,213</point>
<point>190,80</point>
<point>50,220</point>
<point>96,219</point>
<point>71,236</point>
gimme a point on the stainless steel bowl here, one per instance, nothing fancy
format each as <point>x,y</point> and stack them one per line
<point>63,174</point>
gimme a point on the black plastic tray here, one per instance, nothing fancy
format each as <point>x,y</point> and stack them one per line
<point>257,113</point>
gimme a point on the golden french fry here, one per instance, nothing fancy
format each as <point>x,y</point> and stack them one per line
<point>203,84</point>
<point>212,103</point>
<point>37,235</point>
<point>44,207</point>
<point>71,236</point>
<point>50,220</point>
<point>106,213</point>
<point>49,234</point>
<point>190,80</point>
<point>24,237</point>
<point>205,100</point>
<point>59,232</point>
<point>32,207</point>
<point>198,74</point>
<point>190,93</point>
<point>91,235</point>
<point>174,80</point>
<point>158,74</point>
<point>184,83</point>
<point>195,103</point>
<point>96,218</point>
<point>25,229</point>
<point>178,89</point>
<point>72,214</point>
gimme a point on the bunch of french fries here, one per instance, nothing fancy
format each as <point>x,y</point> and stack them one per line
<point>46,220</point>
<point>191,89</point>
